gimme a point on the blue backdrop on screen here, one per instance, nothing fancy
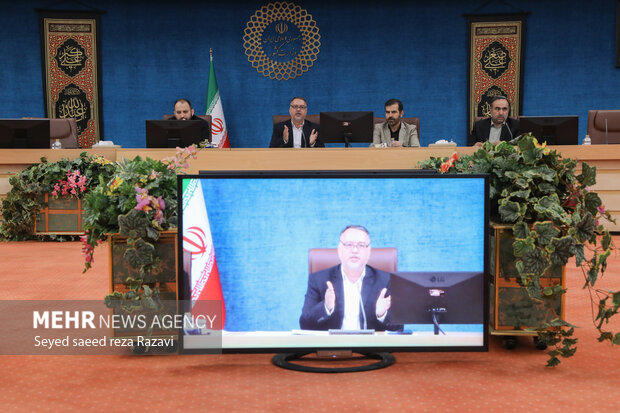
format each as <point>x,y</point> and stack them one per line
<point>153,52</point>
<point>262,231</point>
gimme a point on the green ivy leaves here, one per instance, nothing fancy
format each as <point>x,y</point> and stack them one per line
<point>555,216</point>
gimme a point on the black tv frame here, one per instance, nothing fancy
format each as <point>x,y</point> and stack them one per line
<point>555,130</point>
<point>171,133</point>
<point>347,127</point>
<point>370,351</point>
<point>25,134</point>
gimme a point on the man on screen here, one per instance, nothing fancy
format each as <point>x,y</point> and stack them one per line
<point>183,111</point>
<point>351,295</point>
<point>499,128</point>
<point>393,132</point>
<point>296,132</point>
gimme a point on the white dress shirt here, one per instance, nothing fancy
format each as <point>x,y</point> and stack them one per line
<point>297,135</point>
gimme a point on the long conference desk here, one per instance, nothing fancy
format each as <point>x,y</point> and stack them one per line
<point>606,158</point>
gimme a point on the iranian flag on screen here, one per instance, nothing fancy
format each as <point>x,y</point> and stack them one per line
<point>205,278</point>
<point>219,133</point>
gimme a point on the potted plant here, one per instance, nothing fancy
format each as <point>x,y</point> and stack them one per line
<point>68,179</point>
<point>134,210</point>
<point>554,216</point>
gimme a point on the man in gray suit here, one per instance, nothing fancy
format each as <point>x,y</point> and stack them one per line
<point>393,132</point>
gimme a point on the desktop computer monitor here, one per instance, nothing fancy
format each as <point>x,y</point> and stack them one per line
<point>24,133</point>
<point>346,127</point>
<point>173,133</point>
<point>555,130</point>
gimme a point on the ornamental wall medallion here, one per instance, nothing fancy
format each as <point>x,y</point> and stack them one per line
<point>281,41</point>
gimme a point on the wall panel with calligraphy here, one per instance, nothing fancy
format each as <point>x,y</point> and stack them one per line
<point>71,71</point>
<point>495,63</point>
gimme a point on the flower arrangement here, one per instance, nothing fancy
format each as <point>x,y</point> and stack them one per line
<point>555,215</point>
<point>73,185</point>
<point>138,201</point>
<point>73,178</point>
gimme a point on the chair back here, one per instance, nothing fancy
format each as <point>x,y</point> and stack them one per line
<point>316,119</point>
<point>204,117</point>
<point>385,259</point>
<point>604,126</point>
<point>65,130</point>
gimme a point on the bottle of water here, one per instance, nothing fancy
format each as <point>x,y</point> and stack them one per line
<point>586,140</point>
<point>56,144</point>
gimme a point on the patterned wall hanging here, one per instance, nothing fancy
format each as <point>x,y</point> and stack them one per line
<point>72,70</point>
<point>495,63</point>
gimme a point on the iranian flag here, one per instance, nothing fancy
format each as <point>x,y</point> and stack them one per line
<point>219,133</point>
<point>205,278</point>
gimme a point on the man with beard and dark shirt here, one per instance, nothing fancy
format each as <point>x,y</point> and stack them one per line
<point>183,111</point>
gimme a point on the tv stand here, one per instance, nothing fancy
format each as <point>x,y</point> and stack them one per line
<point>283,360</point>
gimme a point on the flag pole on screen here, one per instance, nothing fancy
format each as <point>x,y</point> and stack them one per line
<point>205,277</point>
<point>219,133</point>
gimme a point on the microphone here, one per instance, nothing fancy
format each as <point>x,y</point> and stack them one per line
<point>303,137</point>
<point>506,125</point>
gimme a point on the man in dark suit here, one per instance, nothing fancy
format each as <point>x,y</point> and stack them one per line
<point>351,295</point>
<point>296,132</point>
<point>183,111</point>
<point>499,127</point>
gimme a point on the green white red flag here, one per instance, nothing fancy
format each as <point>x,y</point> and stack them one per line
<point>205,278</point>
<point>219,133</point>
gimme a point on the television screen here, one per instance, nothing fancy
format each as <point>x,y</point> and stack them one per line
<point>303,261</point>
<point>346,127</point>
<point>173,133</point>
<point>555,130</point>
<point>25,133</point>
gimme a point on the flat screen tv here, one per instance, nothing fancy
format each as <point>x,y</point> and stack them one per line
<point>173,133</point>
<point>555,130</point>
<point>346,127</point>
<point>246,241</point>
<point>24,133</point>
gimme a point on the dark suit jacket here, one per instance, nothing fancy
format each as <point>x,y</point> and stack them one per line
<point>482,128</point>
<point>314,315</point>
<point>278,130</point>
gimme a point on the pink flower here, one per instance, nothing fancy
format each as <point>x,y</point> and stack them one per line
<point>162,204</point>
<point>601,209</point>
<point>143,203</point>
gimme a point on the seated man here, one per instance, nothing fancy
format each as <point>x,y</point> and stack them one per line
<point>351,295</point>
<point>393,132</point>
<point>499,128</point>
<point>183,111</point>
<point>296,132</point>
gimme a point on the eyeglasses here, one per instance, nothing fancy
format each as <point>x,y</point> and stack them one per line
<point>358,245</point>
<point>302,107</point>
